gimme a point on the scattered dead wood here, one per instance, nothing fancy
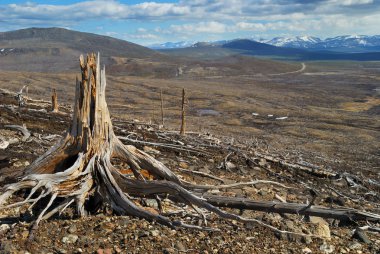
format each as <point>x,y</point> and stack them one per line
<point>292,208</point>
<point>79,169</point>
<point>195,172</point>
<point>22,129</point>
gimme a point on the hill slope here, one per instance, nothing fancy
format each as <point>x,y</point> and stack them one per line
<point>56,49</point>
<point>253,48</point>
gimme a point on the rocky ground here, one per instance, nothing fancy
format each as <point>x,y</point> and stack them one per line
<point>107,233</point>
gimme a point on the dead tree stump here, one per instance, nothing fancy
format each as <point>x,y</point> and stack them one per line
<point>183,115</point>
<point>54,101</point>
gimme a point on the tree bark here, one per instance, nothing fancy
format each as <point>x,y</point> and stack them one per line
<point>54,101</point>
<point>183,120</point>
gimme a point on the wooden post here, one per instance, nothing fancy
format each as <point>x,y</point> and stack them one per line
<point>183,123</point>
<point>54,101</point>
<point>162,108</point>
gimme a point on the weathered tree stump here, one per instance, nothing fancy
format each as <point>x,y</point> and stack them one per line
<point>54,101</point>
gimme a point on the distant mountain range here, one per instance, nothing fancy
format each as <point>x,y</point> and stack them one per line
<point>345,43</point>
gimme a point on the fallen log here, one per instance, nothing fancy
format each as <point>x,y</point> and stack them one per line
<point>340,213</point>
<point>150,188</point>
<point>22,129</point>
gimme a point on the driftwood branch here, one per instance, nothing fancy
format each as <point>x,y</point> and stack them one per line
<point>292,208</point>
<point>22,129</point>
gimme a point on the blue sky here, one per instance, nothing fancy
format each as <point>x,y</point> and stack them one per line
<point>148,22</point>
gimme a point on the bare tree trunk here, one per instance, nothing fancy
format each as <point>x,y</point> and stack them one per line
<point>183,120</point>
<point>162,108</point>
<point>54,101</point>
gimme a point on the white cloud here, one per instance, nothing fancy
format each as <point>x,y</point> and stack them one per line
<point>201,27</point>
<point>206,17</point>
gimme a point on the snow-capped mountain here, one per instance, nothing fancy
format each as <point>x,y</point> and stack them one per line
<point>172,45</point>
<point>345,42</point>
<point>352,41</point>
<point>294,42</point>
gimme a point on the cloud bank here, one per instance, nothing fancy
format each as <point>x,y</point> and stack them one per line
<point>201,18</point>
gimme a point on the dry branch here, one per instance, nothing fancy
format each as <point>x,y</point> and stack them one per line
<point>22,129</point>
<point>292,208</point>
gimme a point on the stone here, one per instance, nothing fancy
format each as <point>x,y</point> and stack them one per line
<point>4,228</point>
<point>355,246</point>
<point>155,233</point>
<point>317,220</point>
<point>24,234</point>
<point>180,247</point>
<point>321,227</point>
<point>152,203</point>
<point>151,150</point>
<point>306,250</point>
<point>327,248</point>
<point>307,239</point>
<point>230,165</point>
<point>262,162</point>
<point>72,229</point>
<point>322,230</point>
<point>70,239</point>
<point>183,164</point>
<point>360,235</point>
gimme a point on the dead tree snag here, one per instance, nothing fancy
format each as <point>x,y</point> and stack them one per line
<point>54,101</point>
<point>183,120</point>
<point>162,108</point>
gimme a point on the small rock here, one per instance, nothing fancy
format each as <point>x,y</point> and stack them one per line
<point>327,248</point>
<point>262,162</point>
<point>307,239</point>
<point>342,251</point>
<point>155,233</point>
<point>18,164</point>
<point>104,251</point>
<point>152,203</point>
<point>183,164</point>
<point>262,192</point>
<point>321,227</point>
<point>230,165</point>
<point>70,238</point>
<point>317,220</point>
<point>355,246</point>
<point>72,229</point>
<point>361,236</point>
<point>322,230</point>
<point>25,234</point>
<point>26,163</point>
<point>149,149</point>
<point>4,228</point>
<point>179,246</point>
<point>306,250</point>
